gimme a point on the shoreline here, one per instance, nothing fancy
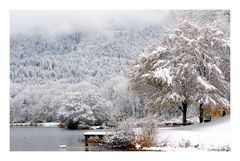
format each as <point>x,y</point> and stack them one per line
<point>54,125</point>
<point>50,124</point>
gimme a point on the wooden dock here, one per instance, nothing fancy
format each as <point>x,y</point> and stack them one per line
<point>96,133</point>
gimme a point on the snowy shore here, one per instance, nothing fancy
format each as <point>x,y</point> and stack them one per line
<point>213,136</point>
<point>47,124</point>
<point>53,124</point>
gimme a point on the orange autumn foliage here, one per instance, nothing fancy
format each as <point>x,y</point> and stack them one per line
<point>214,111</point>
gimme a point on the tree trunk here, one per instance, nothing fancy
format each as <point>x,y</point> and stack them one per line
<point>201,113</point>
<point>184,111</point>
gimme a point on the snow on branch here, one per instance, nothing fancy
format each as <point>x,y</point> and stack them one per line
<point>205,84</point>
<point>164,75</point>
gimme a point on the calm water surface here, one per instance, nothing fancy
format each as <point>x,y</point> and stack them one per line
<point>49,139</point>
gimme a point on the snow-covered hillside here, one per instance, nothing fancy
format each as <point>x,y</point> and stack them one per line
<point>45,69</point>
<point>78,56</point>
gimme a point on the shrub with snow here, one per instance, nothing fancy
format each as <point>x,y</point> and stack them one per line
<point>134,134</point>
<point>120,140</point>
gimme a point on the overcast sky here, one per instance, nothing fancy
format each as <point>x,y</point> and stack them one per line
<point>24,21</point>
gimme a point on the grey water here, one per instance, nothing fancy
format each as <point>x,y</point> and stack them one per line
<point>49,139</point>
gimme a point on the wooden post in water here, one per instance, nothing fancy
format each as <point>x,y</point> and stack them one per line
<point>86,140</point>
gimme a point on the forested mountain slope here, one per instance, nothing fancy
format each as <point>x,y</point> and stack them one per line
<point>45,68</point>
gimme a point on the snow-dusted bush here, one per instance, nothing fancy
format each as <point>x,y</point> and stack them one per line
<point>220,148</point>
<point>134,134</point>
<point>184,143</point>
<point>72,124</point>
<point>121,140</point>
<point>85,107</point>
<point>146,132</point>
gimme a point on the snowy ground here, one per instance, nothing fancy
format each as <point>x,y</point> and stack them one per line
<point>212,136</point>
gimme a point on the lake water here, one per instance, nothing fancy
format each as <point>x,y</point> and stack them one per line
<point>49,139</point>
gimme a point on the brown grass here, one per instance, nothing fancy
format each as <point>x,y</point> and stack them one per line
<point>145,140</point>
<point>62,125</point>
<point>214,111</point>
<point>185,144</point>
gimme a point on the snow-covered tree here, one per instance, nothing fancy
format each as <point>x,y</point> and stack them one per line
<point>125,104</point>
<point>38,103</point>
<point>86,107</point>
<point>184,69</point>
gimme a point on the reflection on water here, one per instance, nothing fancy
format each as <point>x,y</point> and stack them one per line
<point>49,139</point>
